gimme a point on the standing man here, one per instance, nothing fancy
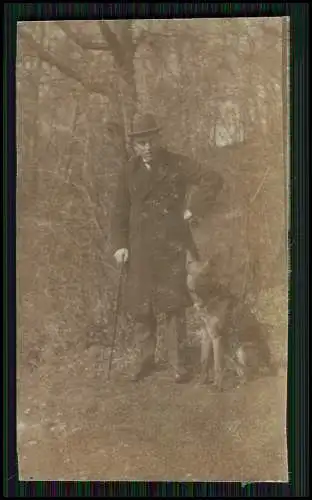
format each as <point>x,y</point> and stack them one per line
<point>150,234</point>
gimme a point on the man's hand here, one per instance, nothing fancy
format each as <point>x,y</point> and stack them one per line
<point>198,305</point>
<point>187,215</point>
<point>121,255</point>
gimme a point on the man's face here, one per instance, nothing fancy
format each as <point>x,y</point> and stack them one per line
<point>144,147</point>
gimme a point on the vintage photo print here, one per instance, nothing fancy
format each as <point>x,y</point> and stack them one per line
<point>152,259</point>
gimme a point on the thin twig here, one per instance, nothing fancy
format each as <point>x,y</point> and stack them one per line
<point>84,190</point>
<point>260,185</point>
<point>83,42</point>
<point>62,65</point>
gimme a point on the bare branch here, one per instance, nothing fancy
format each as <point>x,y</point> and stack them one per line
<point>109,35</point>
<point>113,42</point>
<point>84,42</point>
<point>148,35</point>
<point>84,190</point>
<point>261,184</point>
<point>62,66</point>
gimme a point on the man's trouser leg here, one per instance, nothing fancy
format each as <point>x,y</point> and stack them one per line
<point>176,340</point>
<point>146,330</point>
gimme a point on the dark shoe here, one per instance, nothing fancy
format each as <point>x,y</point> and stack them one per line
<point>144,371</point>
<point>204,379</point>
<point>182,378</point>
<point>206,374</point>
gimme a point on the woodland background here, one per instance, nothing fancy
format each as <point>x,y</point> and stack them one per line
<point>214,85</point>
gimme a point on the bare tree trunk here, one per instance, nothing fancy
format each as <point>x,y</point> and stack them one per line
<point>123,50</point>
<point>28,179</point>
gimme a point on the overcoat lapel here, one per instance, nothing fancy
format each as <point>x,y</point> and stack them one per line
<point>140,179</point>
<point>144,182</point>
<point>158,178</point>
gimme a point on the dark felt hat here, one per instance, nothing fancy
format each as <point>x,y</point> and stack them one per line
<point>144,125</point>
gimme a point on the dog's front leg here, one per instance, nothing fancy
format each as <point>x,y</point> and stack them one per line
<point>241,364</point>
<point>213,329</point>
<point>217,357</point>
<point>206,351</point>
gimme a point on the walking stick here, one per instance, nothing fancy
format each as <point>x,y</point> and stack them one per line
<point>116,314</point>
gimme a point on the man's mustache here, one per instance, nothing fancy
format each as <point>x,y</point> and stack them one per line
<point>146,153</point>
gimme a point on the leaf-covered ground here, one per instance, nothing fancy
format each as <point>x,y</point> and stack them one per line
<point>74,425</point>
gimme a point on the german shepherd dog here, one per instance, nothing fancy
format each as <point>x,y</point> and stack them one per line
<point>230,331</point>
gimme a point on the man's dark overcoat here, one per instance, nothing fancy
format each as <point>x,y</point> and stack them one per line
<point>148,220</point>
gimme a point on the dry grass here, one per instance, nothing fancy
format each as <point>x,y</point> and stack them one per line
<point>77,426</point>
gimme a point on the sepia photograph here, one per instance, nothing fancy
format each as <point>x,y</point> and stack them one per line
<point>152,215</point>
